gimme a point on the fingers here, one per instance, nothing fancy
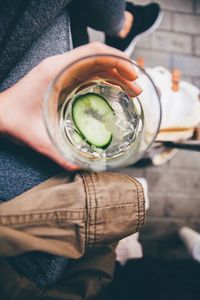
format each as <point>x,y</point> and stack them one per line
<point>124,67</point>
<point>84,70</point>
<point>130,87</point>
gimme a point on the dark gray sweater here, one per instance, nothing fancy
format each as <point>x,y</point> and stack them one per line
<point>29,32</point>
<point>20,167</point>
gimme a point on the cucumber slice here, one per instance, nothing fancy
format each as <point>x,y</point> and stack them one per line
<point>94,118</point>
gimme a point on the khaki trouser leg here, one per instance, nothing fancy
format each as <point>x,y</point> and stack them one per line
<point>78,217</point>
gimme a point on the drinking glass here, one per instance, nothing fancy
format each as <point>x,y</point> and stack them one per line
<point>131,127</point>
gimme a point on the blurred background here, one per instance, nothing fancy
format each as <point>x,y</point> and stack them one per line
<point>176,43</point>
<point>174,188</point>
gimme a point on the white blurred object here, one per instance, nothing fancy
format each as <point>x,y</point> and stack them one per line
<point>144,184</point>
<point>163,156</point>
<point>180,103</point>
<point>95,35</point>
<point>130,247</point>
<point>191,239</point>
<point>180,106</point>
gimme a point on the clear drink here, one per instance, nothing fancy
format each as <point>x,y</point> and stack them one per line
<point>126,126</point>
<point>120,136</point>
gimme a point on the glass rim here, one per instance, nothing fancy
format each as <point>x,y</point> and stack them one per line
<point>54,81</point>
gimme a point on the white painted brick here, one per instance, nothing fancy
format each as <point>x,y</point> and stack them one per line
<point>197,7</point>
<point>191,160</point>
<point>188,65</point>
<point>178,206</point>
<point>178,5</point>
<point>197,82</point>
<point>152,59</point>
<point>172,42</point>
<point>166,22</point>
<point>132,172</point>
<point>157,204</point>
<point>174,181</point>
<point>186,23</point>
<point>95,35</point>
<point>145,42</point>
<point>197,45</point>
<point>188,78</point>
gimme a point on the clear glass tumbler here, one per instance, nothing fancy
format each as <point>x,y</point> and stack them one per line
<point>94,123</point>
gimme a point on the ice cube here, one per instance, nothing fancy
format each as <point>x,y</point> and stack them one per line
<point>68,125</point>
<point>117,107</point>
<point>112,151</point>
<point>106,90</point>
<point>124,100</point>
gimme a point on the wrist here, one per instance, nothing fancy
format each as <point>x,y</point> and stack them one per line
<point>1,112</point>
<point>5,98</point>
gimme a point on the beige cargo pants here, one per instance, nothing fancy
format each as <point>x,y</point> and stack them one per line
<point>79,216</point>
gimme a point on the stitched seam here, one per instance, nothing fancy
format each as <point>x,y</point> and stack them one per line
<point>137,208</point>
<point>91,208</point>
<point>46,212</point>
<point>87,225</point>
<point>140,204</point>
<point>136,203</point>
<point>38,222</point>
<point>64,213</point>
<point>89,211</point>
<point>95,211</point>
<point>142,211</point>
<point>86,209</point>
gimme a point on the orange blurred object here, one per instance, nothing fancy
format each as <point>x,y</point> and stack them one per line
<point>140,61</point>
<point>176,76</point>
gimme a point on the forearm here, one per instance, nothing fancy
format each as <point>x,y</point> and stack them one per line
<point>9,118</point>
<point>3,100</point>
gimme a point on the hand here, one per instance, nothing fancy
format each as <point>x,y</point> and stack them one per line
<point>21,106</point>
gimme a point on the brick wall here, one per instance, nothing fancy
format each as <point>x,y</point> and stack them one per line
<point>174,188</point>
<point>174,193</point>
<point>176,43</point>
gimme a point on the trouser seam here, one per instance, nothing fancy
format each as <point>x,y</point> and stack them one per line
<point>40,217</point>
<point>140,204</point>
<point>91,210</point>
<point>95,211</point>
<point>87,201</point>
<point>90,186</point>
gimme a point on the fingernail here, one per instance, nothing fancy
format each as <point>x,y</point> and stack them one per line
<point>136,89</point>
